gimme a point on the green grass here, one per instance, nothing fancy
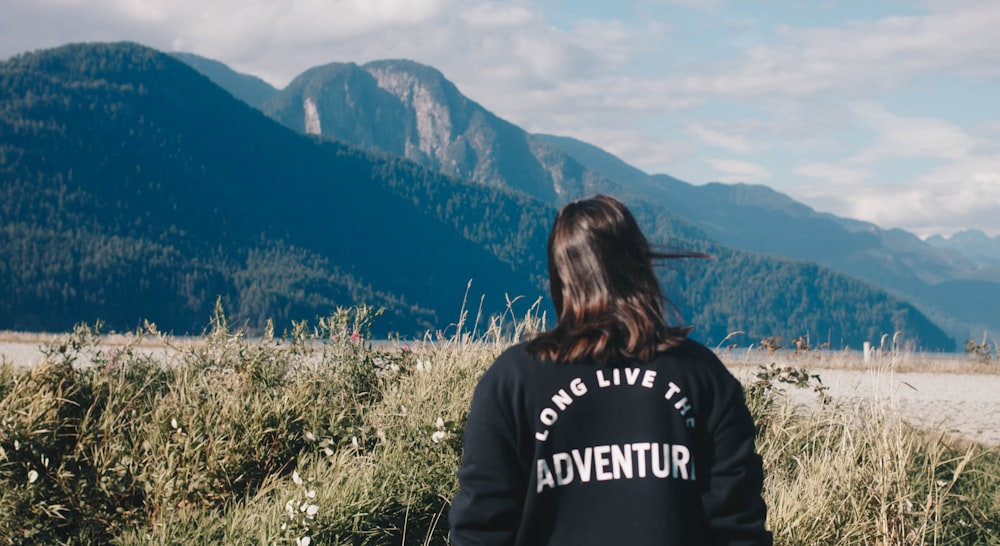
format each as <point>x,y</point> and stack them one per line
<point>320,434</point>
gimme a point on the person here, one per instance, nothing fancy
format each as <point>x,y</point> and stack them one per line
<point>613,427</point>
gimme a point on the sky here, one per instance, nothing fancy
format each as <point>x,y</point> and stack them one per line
<point>884,111</point>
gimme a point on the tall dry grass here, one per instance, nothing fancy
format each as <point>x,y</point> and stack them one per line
<point>320,437</point>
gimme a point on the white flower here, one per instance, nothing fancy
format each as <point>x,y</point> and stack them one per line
<point>381,434</point>
<point>17,445</point>
<point>290,508</point>
<point>296,478</point>
<point>304,541</point>
<point>173,424</point>
<point>32,476</point>
<point>328,452</point>
<point>437,436</point>
<point>439,423</point>
<point>354,441</point>
<point>310,436</point>
<point>311,510</point>
<point>311,494</point>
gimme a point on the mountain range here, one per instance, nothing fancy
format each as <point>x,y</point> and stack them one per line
<point>410,110</point>
<point>135,187</point>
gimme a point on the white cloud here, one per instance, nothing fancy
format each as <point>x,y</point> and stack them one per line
<point>734,171</point>
<point>864,56</point>
<point>901,137</point>
<point>732,142</point>
<point>835,175</point>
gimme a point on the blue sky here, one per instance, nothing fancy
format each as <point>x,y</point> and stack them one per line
<point>881,111</point>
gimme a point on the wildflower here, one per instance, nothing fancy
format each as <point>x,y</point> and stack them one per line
<point>304,541</point>
<point>310,436</point>
<point>311,494</point>
<point>173,423</point>
<point>437,436</point>
<point>328,452</point>
<point>439,423</point>
<point>311,510</point>
<point>354,441</point>
<point>355,337</point>
<point>296,478</point>
<point>32,476</point>
<point>380,434</point>
<point>17,445</point>
<point>290,508</point>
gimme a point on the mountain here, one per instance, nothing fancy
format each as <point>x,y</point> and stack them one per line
<point>975,245</point>
<point>757,218</point>
<point>410,110</point>
<point>133,187</point>
<point>249,89</point>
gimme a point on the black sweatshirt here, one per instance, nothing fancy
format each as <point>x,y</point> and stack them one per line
<point>575,454</point>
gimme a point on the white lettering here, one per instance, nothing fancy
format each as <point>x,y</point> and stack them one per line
<point>632,375</point>
<point>683,405</point>
<point>681,457</point>
<point>621,461</point>
<point>640,450</point>
<point>542,436</point>
<point>601,461</point>
<point>544,476</point>
<point>564,468</point>
<point>671,390</point>
<point>601,381</point>
<point>583,465</point>
<point>661,470</point>
<point>578,387</point>
<point>615,462</point>
<point>647,378</point>
<point>548,416</point>
<point>562,399</point>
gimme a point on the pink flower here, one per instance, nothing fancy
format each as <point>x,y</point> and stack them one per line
<point>355,337</point>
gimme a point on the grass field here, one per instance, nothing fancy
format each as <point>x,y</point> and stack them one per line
<point>320,437</point>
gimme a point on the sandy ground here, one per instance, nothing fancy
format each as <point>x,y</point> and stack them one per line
<point>964,404</point>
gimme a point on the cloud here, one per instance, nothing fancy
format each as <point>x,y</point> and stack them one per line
<point>732,142</point>
<point>835,175</point>
<point>735,171</point>
<point>863,56</point>
<point>900,137</point>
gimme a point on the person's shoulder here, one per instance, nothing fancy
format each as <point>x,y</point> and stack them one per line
<point>514,361</point>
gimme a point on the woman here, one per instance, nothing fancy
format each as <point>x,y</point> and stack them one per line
<point>613,427</point>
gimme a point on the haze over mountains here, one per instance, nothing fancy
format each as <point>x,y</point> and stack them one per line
<point>133,188</point>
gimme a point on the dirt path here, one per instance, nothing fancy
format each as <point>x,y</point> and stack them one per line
<point>967,405</point>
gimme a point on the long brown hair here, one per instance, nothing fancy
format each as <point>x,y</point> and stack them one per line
<point>608,301</point>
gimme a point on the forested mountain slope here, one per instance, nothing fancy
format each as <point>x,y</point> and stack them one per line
<point>951,289</point>
<point>133,187</point>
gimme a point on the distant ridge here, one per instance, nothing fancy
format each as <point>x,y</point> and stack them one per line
<point>249,89</point>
